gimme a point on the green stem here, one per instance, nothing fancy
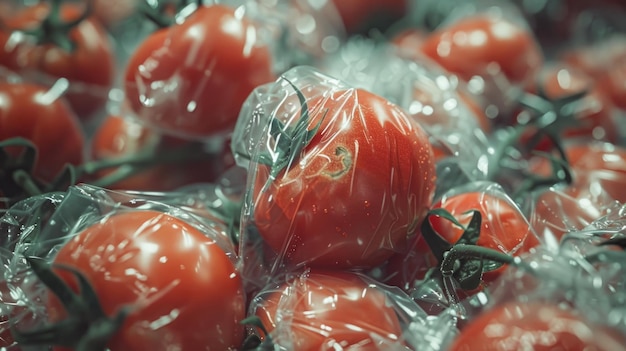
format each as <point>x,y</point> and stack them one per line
<point>26,182</point>
<point>461,251</point>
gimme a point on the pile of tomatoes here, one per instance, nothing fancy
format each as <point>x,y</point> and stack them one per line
<point>306,175</point>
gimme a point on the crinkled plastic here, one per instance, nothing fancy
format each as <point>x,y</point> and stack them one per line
<point>330,310</point>
<point>150,263</point>
<point>597,170</point>
<point>434,98</point>
<point>190,79</point>
<point>339,179</point>
<point>89,73</point>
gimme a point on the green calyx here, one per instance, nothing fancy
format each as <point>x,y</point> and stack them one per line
<point>466,269</point>
<point>54,30</point>
<point>289,141</point>
<point>87,327</point>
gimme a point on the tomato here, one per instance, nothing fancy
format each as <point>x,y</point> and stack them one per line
<point>111,13</point>
<point>605,62</point>
<point>358,190</point>
<point>183,289</point>
<point>503,228</point>
<point>192,78</point>
<point>42,116</point>
<point>485,44</point>
<point>598,172</point>
<point>122,137</point>
<point>359,16</point>
<point>89,67</point>
<point>594,117</point>
<point>328,311</point>
<point>535,326</point>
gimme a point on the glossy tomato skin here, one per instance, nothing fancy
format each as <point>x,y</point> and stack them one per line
<point>192,78</point>
<point>594,117</point>
<point>31,111</point>
<point>90,67</point>
<point>598,172</point>
<point>326,310</point>
<point>358,190</point>
<point>477,45</point>
<point>184,290</point>
<point>503,228</point>
<point>534,326</point>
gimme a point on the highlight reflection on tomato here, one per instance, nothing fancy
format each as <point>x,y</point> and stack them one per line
<point>327,311</point>
<point>192,78</point>
<point>183,288</point>
<point>89,66</point>
<point>482,44</point>
<point>358,190</point>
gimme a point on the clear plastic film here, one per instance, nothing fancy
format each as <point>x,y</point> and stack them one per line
<point>438,101</point>
<point>164,277</point>
<point>327,310</point>
<point>488,45</point>
<point>578,283</point>
<point>597,171</point>
<point>191,78</point>
<point>338,177</point>
<point>36,44</point>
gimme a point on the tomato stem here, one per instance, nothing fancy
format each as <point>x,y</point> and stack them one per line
<point>53,30</point>
<point>26,182</point>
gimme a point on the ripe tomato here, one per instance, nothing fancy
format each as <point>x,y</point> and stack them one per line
<point>503,228</point>
<point>485,44</point>
<point>184,290</point>
<point>328,311</point>
<point>605,62</point>
<point>192,78</point>
<point>598,172</point>
<point>42,116</point>
<point>359,16</point>
<point>535,326</point>
<point>89,67</point>
<point>358,190</point>
<point>122,137</point>
<point>594,117</point>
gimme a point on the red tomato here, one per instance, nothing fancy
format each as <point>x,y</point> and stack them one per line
<point>111,12</point>
<point>41,116</point>
<point>89,67</point>
<point>599,178</point>
<point>118,137</point>
<point>328,311</point>
<point>504,228</point>
<point>535,326</point>
<point>192,78</point>
<point>605,62</point>
<point>358,190</point>
<point>484,44</point>
<point>359,16</point>
<point>184,290</point>
<point>594,115</point>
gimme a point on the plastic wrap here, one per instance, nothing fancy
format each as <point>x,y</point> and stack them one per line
<point>339,177</point>
<point>597,170</point>
<point>452,117</point>
<point>578,282</point>
<point>328,310</point>
<point>39,134</point>
<point>170,278</point>
<point>500,226</point>
<point>190,79</point>
<point>489,47</point>
<point>35,44</point>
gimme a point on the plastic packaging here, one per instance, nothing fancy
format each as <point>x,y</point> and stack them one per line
<point>339,177</point>
<point>35,45</point>
<point>146,261</point>
<point>317,310</point>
